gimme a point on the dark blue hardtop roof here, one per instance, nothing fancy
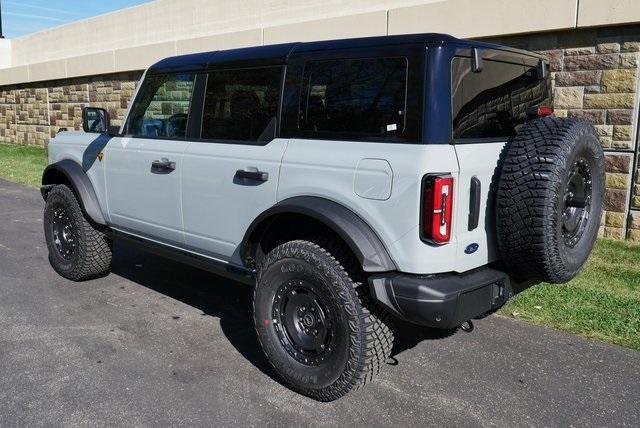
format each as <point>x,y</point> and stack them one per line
<point>278,54</point>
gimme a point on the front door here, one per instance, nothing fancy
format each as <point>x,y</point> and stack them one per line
<point>231,173</point>
<point>144,169</point>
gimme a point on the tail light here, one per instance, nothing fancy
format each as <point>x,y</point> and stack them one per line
<point>437,208</point>
<point>534,112</point>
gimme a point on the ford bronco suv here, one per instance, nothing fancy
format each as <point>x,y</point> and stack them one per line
<point>350,182</point>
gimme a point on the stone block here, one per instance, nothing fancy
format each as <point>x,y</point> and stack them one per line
<point>596,117</point>
<point>629,60</point>
<point>630,47</point>
<point>621,80</point>
<point>606,142</point>
<point>622,132</point>
<point>604,130</point>
<point>615,200</point>
<point>567,98</point>
<point>634,220</point>
<point>608,47</point>
<point>621,145</point>
<point>578,78</point>
<point>633,235</point>
<point>614,219</point>
<point>614,232</point>
<point>592,62</point>
<point>619,117</point>
<point>615,180</point>
<point>618,163</point>
<point>560,113</point>
<point>609,101</point>
<point>588,50</point>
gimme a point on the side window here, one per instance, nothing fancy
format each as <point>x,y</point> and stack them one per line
<point>161,109</point>
<point>242,105</point>
<point>354,99</point>
<point>493,103</point>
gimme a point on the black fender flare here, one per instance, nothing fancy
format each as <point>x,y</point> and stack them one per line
<point>358,235</point>
<point>80,183</point>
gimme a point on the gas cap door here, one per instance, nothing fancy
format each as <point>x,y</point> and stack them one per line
<point>374,179</point>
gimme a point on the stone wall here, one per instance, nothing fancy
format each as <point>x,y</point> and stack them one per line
<point>595,77</point>
<point>594,72</point>
<point>31,114</point>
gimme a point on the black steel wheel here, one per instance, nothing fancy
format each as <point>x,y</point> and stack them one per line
<point>577,202</point>
<point>315,321</point>
<point>77,250</point>
<point>303,322</point>
<point>64,233</point>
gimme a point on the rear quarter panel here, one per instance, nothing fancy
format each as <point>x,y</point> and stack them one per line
<point>328,169</point>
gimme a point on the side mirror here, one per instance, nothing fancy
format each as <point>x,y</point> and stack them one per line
<point>95,120</point>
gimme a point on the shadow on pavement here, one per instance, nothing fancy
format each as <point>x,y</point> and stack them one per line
<point>227,300</point>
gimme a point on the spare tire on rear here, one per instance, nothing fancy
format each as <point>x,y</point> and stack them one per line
<point>549,199</point>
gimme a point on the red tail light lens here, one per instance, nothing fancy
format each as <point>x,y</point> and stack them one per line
<point>545,111</point>
<point>437,208</point>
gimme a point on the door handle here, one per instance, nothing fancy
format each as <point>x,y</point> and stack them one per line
<point>162,166</point>
<point>252,173</point>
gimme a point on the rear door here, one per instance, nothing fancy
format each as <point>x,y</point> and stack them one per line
<point>488,108</point>
<point>143,169</point>
<point>231,173</point>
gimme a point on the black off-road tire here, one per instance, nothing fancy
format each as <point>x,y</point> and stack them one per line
<point>534,199</point>
<point>92,250</point>
<point>363,336</point>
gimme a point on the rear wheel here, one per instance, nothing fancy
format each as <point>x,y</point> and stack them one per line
<point>316,322</point>
<point>77,250</point>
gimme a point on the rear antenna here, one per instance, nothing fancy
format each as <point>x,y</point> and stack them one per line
<point>476,60</point>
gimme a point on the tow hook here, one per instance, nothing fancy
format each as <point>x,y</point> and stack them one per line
<point>467,326</point>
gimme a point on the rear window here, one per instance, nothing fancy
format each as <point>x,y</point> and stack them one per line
<point>493,102</point>
<point>354,99</point>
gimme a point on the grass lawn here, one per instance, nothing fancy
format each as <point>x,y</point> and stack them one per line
<point>603,302</point>
<point>22,164</point>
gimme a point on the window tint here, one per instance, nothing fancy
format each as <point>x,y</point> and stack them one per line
<point>242,104</point>
<point>493,103</point>
<point>354,99</point>
<point>161,108</point>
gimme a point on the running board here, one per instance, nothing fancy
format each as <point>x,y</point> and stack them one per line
<point>211,264</point>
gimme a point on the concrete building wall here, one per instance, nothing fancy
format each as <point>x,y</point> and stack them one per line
<point>133,38</point>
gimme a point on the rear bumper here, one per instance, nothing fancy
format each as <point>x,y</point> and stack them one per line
<point>442,301</point>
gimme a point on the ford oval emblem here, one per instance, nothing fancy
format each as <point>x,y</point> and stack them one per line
<point>471,248</point>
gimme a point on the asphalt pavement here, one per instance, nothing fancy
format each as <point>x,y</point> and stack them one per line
<point>158,343</point>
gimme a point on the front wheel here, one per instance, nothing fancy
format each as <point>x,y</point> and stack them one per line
<point>316,322</point>
<point>77,250</point>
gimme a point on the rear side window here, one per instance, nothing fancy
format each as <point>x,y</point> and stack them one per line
<point>493,102</point>
<point>242,105</point>
<point>161,109</point>
<point>354,99</point>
